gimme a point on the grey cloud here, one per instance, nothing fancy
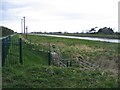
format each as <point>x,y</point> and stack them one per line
<point>7,9</point>
<point>73,16</point>
<point>70,16</point>
<point>9,5</point>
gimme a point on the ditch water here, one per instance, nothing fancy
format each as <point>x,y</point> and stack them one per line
<point>85,38</point>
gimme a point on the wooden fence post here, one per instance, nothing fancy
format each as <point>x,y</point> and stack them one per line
<point>20,45</point>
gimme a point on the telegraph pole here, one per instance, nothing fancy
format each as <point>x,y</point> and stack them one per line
<point>26,31</point>
<point>24,24</point>
<point>21,25</point>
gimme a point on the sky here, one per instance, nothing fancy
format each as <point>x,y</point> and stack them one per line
<point>59,15</point>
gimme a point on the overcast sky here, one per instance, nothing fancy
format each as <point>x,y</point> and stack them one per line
<point>59,15</point>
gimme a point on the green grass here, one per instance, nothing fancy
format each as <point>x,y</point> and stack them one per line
<point>35,72</point>
<point>101,53</point>
<point>55,77</point>
<point>29,56</point>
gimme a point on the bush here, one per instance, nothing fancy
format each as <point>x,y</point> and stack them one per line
<point>6,31</point>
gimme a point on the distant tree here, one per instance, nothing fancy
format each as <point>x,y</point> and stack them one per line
<point>92,30</point>
<point>76,32</point>
<point>59,32</point>
<point>106,30</point>
<point>118,33</point>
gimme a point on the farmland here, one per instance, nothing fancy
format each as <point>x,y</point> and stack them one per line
<point>36,73</point>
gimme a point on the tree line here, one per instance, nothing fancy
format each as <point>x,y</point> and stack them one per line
<point>104,30</point>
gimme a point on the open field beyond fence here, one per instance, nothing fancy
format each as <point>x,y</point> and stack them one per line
<point>35,72</point>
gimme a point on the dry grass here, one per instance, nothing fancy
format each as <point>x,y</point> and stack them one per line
<point>98,57</point>
<point>107,65</point>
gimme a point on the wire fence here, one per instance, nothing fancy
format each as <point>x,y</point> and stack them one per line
<point>55,58</point>
<point>58,60</point>
<point>10,51</point>
<point>5,47</point>
<point>13,51</point>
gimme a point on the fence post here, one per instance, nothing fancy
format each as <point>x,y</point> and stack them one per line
<point>20,44</point>
<point>70,63</point>
<point>30,43</point>
<point>67,63</point>
<point>49,56</point>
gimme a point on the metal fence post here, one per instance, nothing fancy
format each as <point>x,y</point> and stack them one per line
<point>70,63</point>
<point>67,63</point>
<point>20,44</point>
<point>49,56</point>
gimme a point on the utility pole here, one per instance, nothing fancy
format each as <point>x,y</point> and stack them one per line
<point>21,25</point>
<point>26,31</point>
<point>24,24</point>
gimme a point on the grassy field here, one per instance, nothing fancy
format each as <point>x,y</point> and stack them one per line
<point>103,53</point>
<point>35,72</point>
